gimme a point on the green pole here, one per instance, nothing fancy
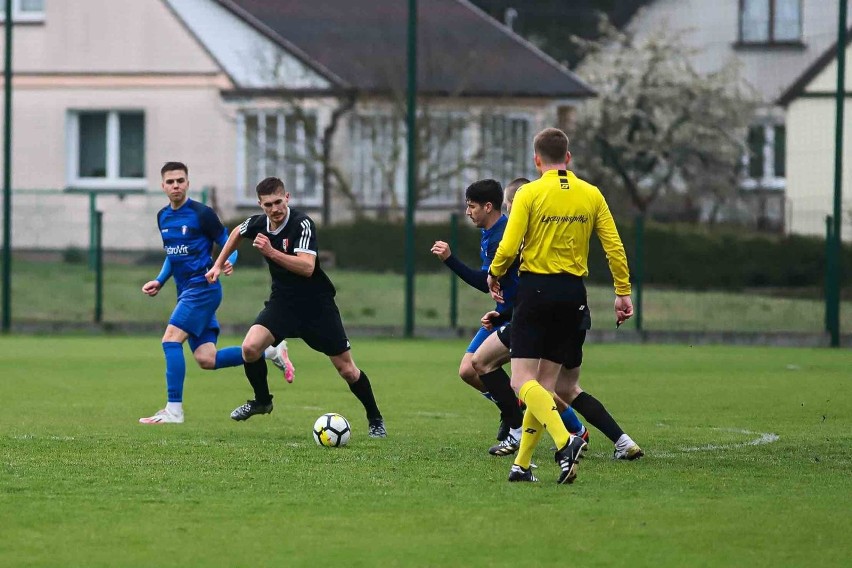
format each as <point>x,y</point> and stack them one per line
<point>7,175</point>
<point>840,96</point>
<point>99,267</point>
<point>829,272</point>
<point>93,237</point>
<point>639,277</point>
<point>411,198</point>
<point>454,283</point>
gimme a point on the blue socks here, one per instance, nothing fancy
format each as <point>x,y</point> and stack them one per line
<point>175,370</point>
<point>229,357</point>
<point>572,423</point>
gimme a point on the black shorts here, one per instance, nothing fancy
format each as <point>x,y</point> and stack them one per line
<point>550,319</point>
<point>316,321</point>
<point>504,334</point>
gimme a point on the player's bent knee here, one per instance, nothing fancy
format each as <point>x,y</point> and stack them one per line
<point>468,373</point>
<point>516,384</point>
<point>349,373</point>
<point>482,365</point>
<point>252,352</point>
<point>569,394</point>
<point>206,362</point>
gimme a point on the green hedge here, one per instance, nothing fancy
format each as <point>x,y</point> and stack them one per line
<point>689,257</point>
<point>682,257</point>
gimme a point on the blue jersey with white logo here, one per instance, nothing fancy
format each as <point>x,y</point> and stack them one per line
<point>188,234</point>
<point>487,249</point>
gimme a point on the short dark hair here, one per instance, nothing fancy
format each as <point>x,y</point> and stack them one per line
<point>512,187</point>
<point>485,191</point>
<point>551,145</point>
<point>269,186</point>
<point>173,166</point>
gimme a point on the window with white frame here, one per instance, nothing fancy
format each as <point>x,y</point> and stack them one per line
<point>379,157</point>
<point>24,10</point>
<point>106,149</point>
<point>282,144</point>
<point>505,147</point>
<point>770,21</point>
<point>764,164</point>
<point>447,163</point>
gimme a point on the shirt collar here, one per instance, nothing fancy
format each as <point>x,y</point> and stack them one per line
<point>501,221</point>
<point>280,227</point>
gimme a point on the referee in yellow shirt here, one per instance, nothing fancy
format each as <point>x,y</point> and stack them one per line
<point>553,217</point>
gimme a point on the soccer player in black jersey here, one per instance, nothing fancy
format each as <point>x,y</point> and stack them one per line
<point>301,303</point>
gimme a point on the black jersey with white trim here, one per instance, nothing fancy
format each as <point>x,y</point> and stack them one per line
<point>297,234</point>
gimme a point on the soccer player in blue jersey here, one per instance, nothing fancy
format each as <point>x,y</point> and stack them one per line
<point>189,229</point>
<point>484,200</point>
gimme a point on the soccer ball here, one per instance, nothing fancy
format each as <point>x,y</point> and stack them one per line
<point>331,430</point>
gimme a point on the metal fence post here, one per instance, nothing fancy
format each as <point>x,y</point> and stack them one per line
<point>639,274</point>
<point>99,267</point>
<point>830,274</point>
<point>454,285</point>
<point>93,238</point>
<point>7,171</point>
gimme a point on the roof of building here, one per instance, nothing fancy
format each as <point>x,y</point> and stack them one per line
<point>798,87</point>
<point>362,45</point>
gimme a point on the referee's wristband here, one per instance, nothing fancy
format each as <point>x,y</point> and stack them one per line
<point>492,275</point>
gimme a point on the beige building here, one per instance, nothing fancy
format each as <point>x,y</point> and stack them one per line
<point>775,42</point>
<point>106,91</point>
<point>811,116</point>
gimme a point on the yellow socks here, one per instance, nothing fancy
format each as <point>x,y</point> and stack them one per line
<point>543,409</point>
<point>530,435</point>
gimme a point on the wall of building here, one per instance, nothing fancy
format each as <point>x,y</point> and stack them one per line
<point>713,30</point>
<point>811,123</point>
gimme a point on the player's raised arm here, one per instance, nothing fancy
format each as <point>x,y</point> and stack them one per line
<point>230,246</point>
<point>473,277</point>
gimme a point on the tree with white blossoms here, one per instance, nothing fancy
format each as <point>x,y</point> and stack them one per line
<point>658,128</point>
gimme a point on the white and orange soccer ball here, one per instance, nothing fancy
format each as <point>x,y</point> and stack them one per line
<point>331,430</point>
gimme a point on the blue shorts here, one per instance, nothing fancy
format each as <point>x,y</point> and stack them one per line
<point>478,339</point>
<point>195,313</point>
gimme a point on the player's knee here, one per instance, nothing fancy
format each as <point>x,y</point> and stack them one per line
<point>467,372</point>
<point>206,361</point>
<point>570,393</point>
<point>251,352</point>
<point>481,365</point>
<point>516,384</point>
<point>348,372</point>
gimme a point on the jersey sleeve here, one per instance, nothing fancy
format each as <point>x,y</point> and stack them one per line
<point>307,237</point>
<point>616,257</point>
<point>211,226</point>
<point>516,229</point>
<point>165,271</point>
<point>474,278</point>
<point>250,228</point>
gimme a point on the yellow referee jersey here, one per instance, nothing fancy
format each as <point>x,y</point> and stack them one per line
<point>554,217</point>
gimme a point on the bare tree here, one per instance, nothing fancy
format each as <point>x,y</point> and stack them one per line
<point>658,127</point>
<point>445,150</point>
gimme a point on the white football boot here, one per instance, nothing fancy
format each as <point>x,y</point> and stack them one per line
<point>279,357</point>
<point>164,416</point>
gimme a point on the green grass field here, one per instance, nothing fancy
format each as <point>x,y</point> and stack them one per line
<point>65,292</point>
<point>82,484</point>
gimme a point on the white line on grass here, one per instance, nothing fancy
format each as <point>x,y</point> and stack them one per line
<point>762,438</point>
